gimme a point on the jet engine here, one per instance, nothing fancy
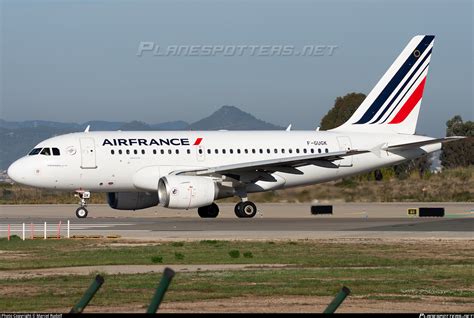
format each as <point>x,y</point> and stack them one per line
<point>186,192</point>
<point>132,200</point>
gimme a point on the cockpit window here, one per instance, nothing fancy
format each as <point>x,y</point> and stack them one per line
<point>45,151</point>
<point>35,151</point>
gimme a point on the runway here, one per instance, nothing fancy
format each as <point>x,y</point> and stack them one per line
<point>277,221</point>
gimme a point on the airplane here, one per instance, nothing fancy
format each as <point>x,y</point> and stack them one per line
<point>192,169</point>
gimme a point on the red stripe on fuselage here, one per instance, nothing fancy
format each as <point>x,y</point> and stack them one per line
<point>409,104</point>
<point>197,142</point>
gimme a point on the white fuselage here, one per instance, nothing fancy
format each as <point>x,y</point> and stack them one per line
<point>122,161</point>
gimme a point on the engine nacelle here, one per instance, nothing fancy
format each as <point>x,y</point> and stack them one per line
<point>186,192</point>
<point>132,200</point>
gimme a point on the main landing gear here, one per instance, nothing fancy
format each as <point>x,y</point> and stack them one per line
<point>245,209</point>
<point>82,212</point>
<point>209,211</point>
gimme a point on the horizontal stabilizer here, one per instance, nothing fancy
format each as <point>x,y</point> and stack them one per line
<point>422,143</point>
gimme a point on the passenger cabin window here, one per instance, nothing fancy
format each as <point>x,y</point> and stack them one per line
<point>45,152</point>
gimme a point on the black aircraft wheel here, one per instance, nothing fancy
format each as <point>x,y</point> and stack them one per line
<point>238,209</point>
<point>81,212</point>
<point>209,211</point>
<point>247,209</point>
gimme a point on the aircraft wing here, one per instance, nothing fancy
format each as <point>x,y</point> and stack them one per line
<point>422,143</point>
<point>275,164</point>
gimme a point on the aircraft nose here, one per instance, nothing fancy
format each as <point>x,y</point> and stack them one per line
<point>16,172</point>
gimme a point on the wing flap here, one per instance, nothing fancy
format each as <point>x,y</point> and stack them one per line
<point>275,164</point>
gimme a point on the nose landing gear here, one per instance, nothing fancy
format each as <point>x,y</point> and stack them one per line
<point>82,212</point>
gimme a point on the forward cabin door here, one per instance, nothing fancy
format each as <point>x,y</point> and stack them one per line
<point>345,144</point>
<point>88,153</point>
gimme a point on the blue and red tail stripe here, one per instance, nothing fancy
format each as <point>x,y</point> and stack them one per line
<point>389,105</point>
<point>409,104</point>
<point>395,81</point>
<point>406,92</point>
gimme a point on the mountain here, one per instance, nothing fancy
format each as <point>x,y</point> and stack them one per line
<point>17,138</point>
<point>232,118</point>
<point>171,125</point>
<point>38,123</point>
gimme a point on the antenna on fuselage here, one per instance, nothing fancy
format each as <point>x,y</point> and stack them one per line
<point>87,128</point>
<point>288,128</point>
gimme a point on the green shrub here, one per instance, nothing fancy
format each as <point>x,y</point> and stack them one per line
<point>234,254</point>
<point>248,255</point>
<point>157,259</point>
<point>178,256</point>
<point>211,242</point>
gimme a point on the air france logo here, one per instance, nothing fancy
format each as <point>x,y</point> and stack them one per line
<point>151,142</point>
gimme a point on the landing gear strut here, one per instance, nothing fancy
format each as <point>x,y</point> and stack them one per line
<point>208,211</point>
<point>82,212</point>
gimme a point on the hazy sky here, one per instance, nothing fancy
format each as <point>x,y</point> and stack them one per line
<point>77,60</point>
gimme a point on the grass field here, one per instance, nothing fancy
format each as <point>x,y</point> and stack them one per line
<point>377,270</point>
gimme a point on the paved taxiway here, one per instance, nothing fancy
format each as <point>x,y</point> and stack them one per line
<point>275,221</point>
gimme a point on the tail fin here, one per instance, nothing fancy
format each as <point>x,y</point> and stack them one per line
<point>393,104</point>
